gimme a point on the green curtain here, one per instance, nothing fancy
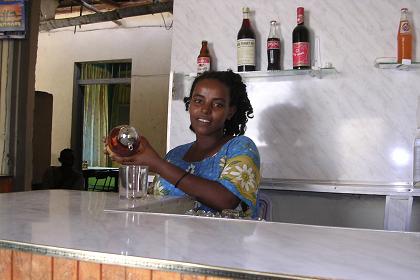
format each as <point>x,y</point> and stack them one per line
<point>95,115</point>
<point>120,109</point>
<point>120,101</point>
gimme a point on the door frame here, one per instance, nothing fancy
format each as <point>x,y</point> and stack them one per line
<point>76,142</point>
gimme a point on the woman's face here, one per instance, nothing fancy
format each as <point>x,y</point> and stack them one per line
<point>209,107</point>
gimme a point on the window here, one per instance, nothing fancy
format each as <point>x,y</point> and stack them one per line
<point>105,93</point>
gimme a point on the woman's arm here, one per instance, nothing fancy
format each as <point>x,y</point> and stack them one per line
<point>208,192</point>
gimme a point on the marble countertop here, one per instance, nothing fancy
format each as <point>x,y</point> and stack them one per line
<point>58,221</point>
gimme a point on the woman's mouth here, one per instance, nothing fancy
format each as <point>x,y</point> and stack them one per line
<point>203,120</point>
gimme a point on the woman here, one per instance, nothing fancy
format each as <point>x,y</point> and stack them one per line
<point>220,169</point>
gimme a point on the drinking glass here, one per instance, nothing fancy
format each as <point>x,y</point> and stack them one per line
<point>132,181</point>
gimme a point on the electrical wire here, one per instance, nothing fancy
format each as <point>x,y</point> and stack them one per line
<point>164,22</point>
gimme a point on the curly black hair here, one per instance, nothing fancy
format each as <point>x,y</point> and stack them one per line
<point>238,97</point>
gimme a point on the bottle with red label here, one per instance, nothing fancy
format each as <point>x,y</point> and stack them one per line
<point>245,44</point>
<point>273,47</point>
<point>405,39</point>
<point>301,46</point>
<point>203,59</point>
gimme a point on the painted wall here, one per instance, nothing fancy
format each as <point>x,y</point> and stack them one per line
<point>354,125</point>
<point>145,40</point>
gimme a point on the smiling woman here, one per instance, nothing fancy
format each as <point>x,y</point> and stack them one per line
<point>220,169</point>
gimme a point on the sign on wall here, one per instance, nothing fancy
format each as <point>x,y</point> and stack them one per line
<point>12,19</point>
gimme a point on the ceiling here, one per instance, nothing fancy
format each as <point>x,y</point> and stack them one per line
<point>63,13</point>
<point>66,6</point>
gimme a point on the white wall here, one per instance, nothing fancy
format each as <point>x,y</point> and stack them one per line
<point>356,125</point>
<point>144,40</point>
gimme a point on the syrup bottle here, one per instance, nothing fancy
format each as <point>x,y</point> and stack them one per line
<point>245,44</point>
<point>301,45</point>
<point>405,39</point>
<point>203,59</point>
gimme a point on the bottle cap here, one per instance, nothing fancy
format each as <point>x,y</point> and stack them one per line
<point>300,10</point>
<point>245,9</point>
<point>300,15</point>
<point>272,22</point>
<point>404,9</point>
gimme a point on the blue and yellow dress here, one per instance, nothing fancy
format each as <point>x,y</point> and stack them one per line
<point>236,166</point>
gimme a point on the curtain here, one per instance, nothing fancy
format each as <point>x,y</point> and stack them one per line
<point>120,109</point>
<point>95,115</point>
<point>120,105</point>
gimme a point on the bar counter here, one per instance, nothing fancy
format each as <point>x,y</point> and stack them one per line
<point>98,227</point>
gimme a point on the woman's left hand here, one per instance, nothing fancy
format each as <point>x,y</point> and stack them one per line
<point>145,155</point>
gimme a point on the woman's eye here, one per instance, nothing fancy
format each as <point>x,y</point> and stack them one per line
<point>219,105</point>
<point>196,100</point>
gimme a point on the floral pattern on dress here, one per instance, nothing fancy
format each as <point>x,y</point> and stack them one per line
<point>158,188</point>
<point>244,174</point>
<point>235,166</point>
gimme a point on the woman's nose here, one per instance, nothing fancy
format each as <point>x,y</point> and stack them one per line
<point>206,108</point>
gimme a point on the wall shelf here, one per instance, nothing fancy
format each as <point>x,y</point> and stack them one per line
<point>318,72</point>
<point>390,63</point>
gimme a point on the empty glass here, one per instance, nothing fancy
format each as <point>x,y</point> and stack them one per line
<point>132,181</point>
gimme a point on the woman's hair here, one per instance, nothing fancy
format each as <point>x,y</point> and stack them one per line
<point>238,97</point>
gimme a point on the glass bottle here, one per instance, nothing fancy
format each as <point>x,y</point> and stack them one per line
<point>123,140</point>
<point>405,38</point>
<point>273,47</point>
<point>203,59</point>
<point>246,44</point>
<point>301,45</point>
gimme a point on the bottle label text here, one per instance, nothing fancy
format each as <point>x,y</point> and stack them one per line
<point>273,45</point>
<point>246,52</point>
<point>301,54</point>
<point>405,27</point>
<point>203,64</point>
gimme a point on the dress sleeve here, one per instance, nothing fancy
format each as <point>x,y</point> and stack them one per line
<point>241,170</point>
<point>161,187</point>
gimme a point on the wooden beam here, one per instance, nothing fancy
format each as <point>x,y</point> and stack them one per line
<point>74,6</point>
<point>107,16</point>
